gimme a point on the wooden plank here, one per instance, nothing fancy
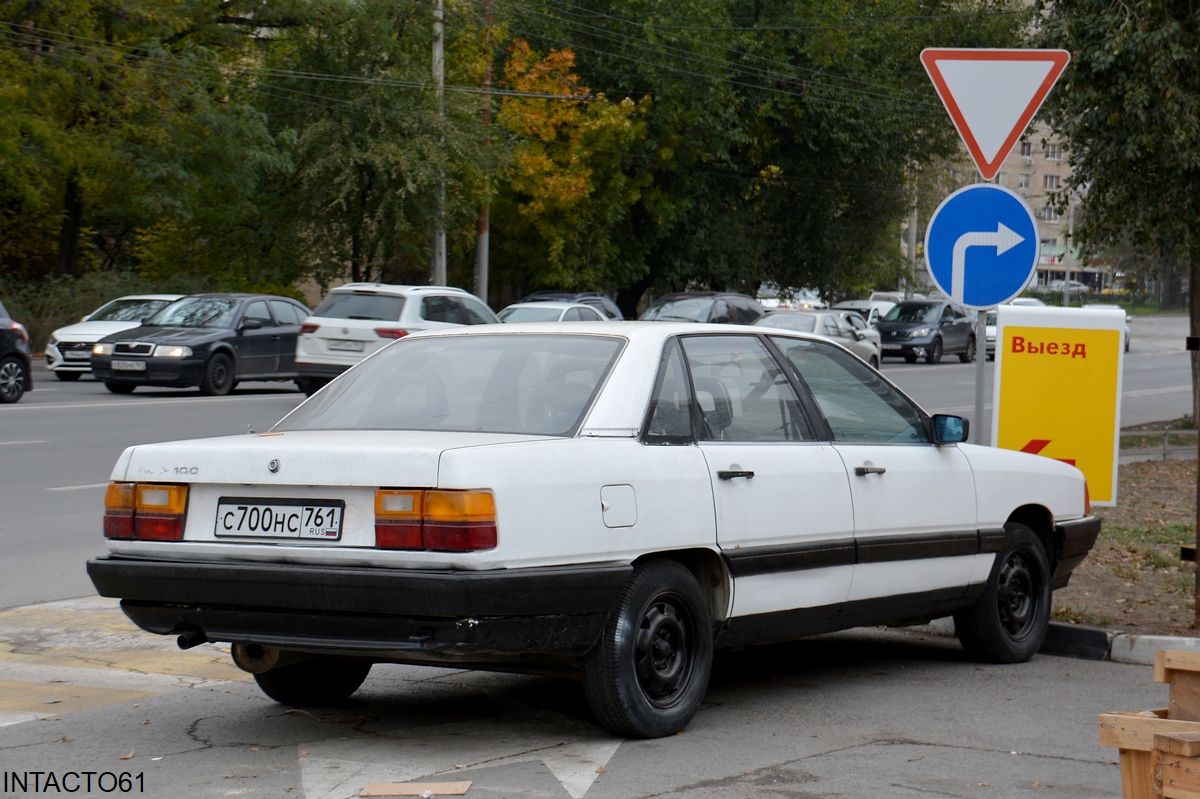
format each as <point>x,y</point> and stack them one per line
<point>1176,777</point>
<point>415,788</point>
<point>1184,744</point>
<point>1168,659</point>
<point>1136,730</point>
<point>1137,775</point>
<point>1184,701</point>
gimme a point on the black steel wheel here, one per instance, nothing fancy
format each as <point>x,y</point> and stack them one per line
<point>1008,623</point>
<point>67,376</point>
<point>120,388</point>
<point>934,353</point>
<point>218,376</point>
<point>968,355</point>
<point>13,379</point>
<point>647,674</point>
<point>316,682</point>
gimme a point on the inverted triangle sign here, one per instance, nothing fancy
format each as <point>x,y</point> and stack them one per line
<point>992,95</point>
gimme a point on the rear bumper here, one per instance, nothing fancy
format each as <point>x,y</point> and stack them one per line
<point>391,614</point>
<point>1073,540</point>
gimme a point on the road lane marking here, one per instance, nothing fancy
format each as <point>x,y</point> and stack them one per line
<point>78,488</point>
<point>32,441</point>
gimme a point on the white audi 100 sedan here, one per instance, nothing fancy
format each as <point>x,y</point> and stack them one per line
<point>619,496</point>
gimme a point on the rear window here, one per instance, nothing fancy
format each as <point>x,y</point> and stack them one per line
<point>361,305</point>
<point>533,384</point>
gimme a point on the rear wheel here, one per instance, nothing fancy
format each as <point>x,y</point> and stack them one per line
<point>67,376</point>
<point>120,388</point>
<point>1008,622</point>
<point>647,674</point>
<point>320,681</point>
<point>218,376</point>
<point>13,377</point>
<point>934,353</point>
<point>968,354</point>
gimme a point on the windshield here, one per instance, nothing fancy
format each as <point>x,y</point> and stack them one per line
<point>196,312</point>
<point>533,384</point>
<point>361,305</point>
<point>914,312</point>
<point>688,309</point>
<point>530,315</point>
<point>801,322</point>
<point>127,310</point>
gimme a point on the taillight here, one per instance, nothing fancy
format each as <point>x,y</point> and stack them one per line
<point>390,332</point>
<point>308,327</point>
<point>21,331</point>
<point>443,521</point>
<point>145,511</point>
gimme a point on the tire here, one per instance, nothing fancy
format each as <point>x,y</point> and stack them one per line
<point>934,353</point>
<point>1008,623</point>
<point>310,385</point>
<point>218,376</point>
<point>317,682</point>
<point>13,379</point>
<point>910,358</point>
<point>647,674</point>
<point>69,377</point>
<point>968,355</point>
<point>120,388</point>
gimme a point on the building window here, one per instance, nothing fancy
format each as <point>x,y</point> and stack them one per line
<point>1027,149</point>
<point>1050,182</point>
<point>1053,152</point>
<point>1049,214</point>
<point>1001,179</point>
<point>1024,179</point>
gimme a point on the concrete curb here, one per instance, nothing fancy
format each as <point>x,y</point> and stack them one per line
<point>1092,643</point>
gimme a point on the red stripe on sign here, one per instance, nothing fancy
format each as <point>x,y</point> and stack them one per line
<point>1035,446</point>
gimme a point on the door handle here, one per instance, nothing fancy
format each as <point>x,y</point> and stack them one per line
<point>863,471</point>
<point>726,474</point>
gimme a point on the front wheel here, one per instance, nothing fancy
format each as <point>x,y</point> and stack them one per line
<point>968,355</point>
<point>218,376</point>
<point>13,378</point>
<point>120,388</point>
<point>317,682</point>
<point>874,363</point>
<point>1008,622</point>
<point>934,353</point>
<point>647,674</point>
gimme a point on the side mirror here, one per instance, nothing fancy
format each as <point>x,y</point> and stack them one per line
<point>859,335</point>
<point>949,429</point>
<point>250,324</point>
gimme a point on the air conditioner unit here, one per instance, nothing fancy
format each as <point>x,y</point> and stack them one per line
<point>1028,160</point>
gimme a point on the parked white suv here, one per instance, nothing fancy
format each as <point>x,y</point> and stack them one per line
<point>357,319</point>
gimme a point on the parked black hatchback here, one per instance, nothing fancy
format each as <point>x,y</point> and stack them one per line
<point>16,377</point>
<point>705,306</point>
<point>208,340</point>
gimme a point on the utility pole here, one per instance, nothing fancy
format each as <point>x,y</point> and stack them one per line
<point>439,82</point>
<point>482,230</point>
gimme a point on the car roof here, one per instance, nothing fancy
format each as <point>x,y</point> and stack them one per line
<point>398,289</point>
<point>560,304</point>
<point>148,297</point>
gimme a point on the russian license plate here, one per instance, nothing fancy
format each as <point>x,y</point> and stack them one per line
<point>280,518</point>
<point>891,346</point>
<point>80,355</point>
<point>342,344</point>
<point>129,366</point>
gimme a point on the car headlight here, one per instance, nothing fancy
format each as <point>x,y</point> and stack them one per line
<point>102,349</point>
<point>53,342</point>
<point>172,351</point>
<point>919,333</point>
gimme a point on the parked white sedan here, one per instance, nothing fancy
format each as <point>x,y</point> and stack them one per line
<point>619,496</point>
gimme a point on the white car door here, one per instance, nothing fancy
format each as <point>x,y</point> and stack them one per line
<point>915,512</point>
<point>783,507</point>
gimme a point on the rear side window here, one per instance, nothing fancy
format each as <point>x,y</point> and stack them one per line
<point>476,314</point>
<point>288,314</point>
<point>670,418</point>
<point>442,309</point>
<point>361,305</point>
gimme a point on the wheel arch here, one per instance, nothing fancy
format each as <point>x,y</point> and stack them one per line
<point>1038,519</point>
<point>710,572</point>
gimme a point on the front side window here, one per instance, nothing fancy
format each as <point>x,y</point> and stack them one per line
<point>531,384</point>
<point>856,401</point>
<point>742,393</point>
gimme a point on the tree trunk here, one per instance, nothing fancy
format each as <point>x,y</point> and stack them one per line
<point>72,224</point>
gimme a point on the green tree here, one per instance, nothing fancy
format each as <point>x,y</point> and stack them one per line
<point>1129,107</point>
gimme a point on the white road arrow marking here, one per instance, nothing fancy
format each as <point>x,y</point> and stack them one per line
<point>1004,239</point>
<point>336,768</point>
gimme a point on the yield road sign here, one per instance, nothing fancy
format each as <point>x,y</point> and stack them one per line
<point>981,246</point>
<point>992,95</point>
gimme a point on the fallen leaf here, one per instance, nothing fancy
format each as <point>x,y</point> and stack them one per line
<point>126,757</point>
<point>599,769</point>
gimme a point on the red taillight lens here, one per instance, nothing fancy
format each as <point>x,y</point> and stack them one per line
<point>445,521</point>
<point>308,327</point>
<point>390,332</point>
<point>144,511</point>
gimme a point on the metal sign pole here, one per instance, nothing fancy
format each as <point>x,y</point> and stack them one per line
<point>980,357</point>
